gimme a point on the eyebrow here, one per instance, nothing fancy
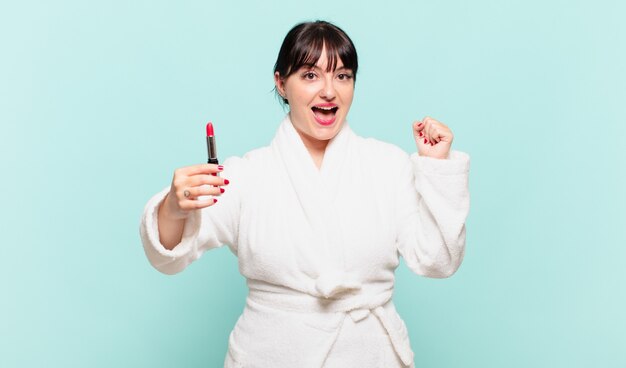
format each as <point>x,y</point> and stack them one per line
<point>314,66</point>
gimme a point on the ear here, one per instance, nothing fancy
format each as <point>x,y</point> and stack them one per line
<point>280,84</point>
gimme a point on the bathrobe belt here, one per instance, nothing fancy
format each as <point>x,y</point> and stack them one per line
<point>358,306</point>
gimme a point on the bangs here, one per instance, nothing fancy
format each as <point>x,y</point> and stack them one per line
<point>307,43</point>
<point>309,55</point>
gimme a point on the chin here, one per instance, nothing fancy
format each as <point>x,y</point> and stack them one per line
<point>326,133</point>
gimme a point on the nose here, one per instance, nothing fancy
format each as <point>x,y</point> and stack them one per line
<point>328,90</point>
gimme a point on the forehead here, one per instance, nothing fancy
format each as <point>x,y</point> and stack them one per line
<point>326,61</point>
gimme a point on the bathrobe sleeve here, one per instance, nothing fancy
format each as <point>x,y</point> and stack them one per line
<point>432,206</point>
<point>204,229</point>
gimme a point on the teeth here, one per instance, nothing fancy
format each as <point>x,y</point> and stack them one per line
<point>324,108</point>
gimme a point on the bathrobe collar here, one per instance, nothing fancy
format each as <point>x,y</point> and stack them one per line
<point>317,192</point>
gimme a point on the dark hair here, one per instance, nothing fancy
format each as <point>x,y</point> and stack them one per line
<point>304,43</point>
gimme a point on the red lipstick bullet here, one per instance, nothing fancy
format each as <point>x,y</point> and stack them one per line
<point>210,144</point>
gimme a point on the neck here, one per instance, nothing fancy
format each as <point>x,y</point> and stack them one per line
<point>316,148</point>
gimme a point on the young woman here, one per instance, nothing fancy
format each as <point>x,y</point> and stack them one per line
<point>318,219</point>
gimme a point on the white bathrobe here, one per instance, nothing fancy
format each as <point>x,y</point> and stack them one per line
<point>319,248</point>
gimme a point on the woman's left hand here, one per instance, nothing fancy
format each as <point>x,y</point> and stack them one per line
<point>432,138</point>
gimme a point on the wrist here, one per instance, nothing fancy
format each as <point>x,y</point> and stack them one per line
<point>168,212</point>
<point>438,157</point>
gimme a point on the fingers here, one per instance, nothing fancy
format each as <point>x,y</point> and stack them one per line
<point>192,184</point>
<point>422,131</point>
<point>197,175</point>
<point>430,131</point>
<point>433,138</point>
<point>418,126</point>
<point>190,205</point>
<point>418,130</point>
<point>197,180</point>
<point>180,206</point>
<point>200,169</point>
<point>193,198</point>
<point>192,193</point>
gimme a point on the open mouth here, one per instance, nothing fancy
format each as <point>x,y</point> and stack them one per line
<point>325,115</point>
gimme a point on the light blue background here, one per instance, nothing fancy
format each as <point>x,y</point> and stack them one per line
<point>101,101</point>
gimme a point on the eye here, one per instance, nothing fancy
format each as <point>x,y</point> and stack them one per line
<point>344,76</point>
<point>309,76</point>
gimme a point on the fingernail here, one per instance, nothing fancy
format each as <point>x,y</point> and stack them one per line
<point>425,140</point>
<point>226,181</point>
<point>214,200</point>
<point>214,174</point>
<point>421,134</point>
<point>220,167</point>
<point>221,190</point>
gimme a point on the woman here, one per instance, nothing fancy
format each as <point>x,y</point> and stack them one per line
<point>318,219</point>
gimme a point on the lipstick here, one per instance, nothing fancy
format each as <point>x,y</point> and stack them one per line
<point>210,144</point>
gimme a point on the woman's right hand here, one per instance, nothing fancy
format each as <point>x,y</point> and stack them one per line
<point>190,183</point>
